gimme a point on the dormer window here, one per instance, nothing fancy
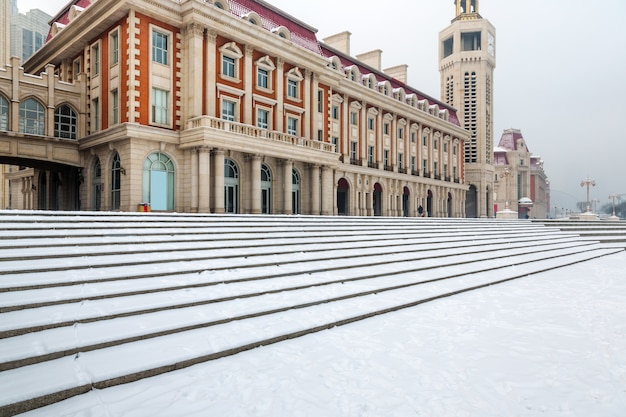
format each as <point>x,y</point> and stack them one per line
<point>283,32</point>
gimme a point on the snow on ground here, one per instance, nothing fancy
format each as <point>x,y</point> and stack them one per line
<point>552,344</point>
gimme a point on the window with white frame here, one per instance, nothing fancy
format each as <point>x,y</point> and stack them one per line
<point>32,117</point>
<point>65,122</point>
<point>95,114</point>
<point>294,77</point>
<point>160,107</point>
<point>370,155</point>
<point>370,123</point>
<point>262,118</point>
<point>386,128</point>
<point>115,107</point>
<point>4,113</point>
<point>386,157</point>
<point>354,118</point>
<point>160,47</point>
<point>262,78</point>
<point>114,46</point>
<point>264,68</point>
<point>400,160</point>
<point>353,146</point>
<point>335,112</point>
<point>228,110</point>
<point>231,55</point>
<point>292,126</point>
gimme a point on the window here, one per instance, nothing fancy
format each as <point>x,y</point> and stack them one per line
<point>292,88</point>
<point>386,128</point>
<point>370,155</point>
<point>425,140</point>
<point>386,158</point>
<point>425,166</point>
<point>353,146</point>
<point>400,160</point>
<point>320,101</point>
<point>95,114</point>
<point>160,106</point>
<point>228,66</point>
<point>115,107</point>
<point>292,126</point>
<point>77,69</point>
<point>95,59</point>
<point>262,78</point>
<point>413,167</point>
<point>370,123</point>
<point>335,112</point>
<point>114,47</point>
<point>231,186</point>
<point>435,167</point>
<point>412,137</point>
<point>445,147</point>
<point>320,135</point>
<point>116,181</point>
<point>32,117</point>
<point>262,118</point>
<point>266,190</point>
<point>65,122</point>
<point>400,133</point>
<point>354,117</point>
<point>159,181</point>
<point>228,110</point>
<point>334,140</point>
<point>4,113</point>
<point>160,47</point>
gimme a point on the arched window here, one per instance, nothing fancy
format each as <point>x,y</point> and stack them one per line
<point>231,186</point>
<point>32,117</point>
<point>266,190</point>
<point>158,181</point>
<point>96,185</point>
<point>295,192</point>
<point>65,122</point>
<point>116,181</point>
<point>4,113</point>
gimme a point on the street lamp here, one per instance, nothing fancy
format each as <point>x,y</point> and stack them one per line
<point>588,183</point>
<point>613,197</point>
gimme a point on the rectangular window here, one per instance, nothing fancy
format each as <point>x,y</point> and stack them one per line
<point>115,107</point>
<point>412,137</point>
<point>370,123</point>
<point>334,140</point>
<point>262,78</point>
<point>292,126</point>
<point>160,47</point>
<point>425,166</point>
<point>354,118</point>
<point>160,106</point>
<point>228,110</point>
<point>386,128</point>
<point>400,133</point>
<point>445,147</point>
<point>425,140</point>
<point>320,101</point>
<point>435,144</point>
<point>386,158</point>
<point>335,112</point>
<point>413,167</point>
<point>292,88</point>
<point>353,151</point>
<point>320,135</point>
<point>95,114</point>
<point>370,155</point>
<point>77,69</point>
<point>435,168</point>
<point>95,60</point>
<point>400,160</point>
<point>228,66</point>
<point>114,47</point>
<point>262,118</point>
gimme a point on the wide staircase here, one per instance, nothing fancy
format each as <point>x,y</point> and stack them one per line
<point>611,233</point>
<point>92,300</point>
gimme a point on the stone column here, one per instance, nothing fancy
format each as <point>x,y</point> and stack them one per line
<point>315,189</point>
<point>280,94</point>
<point>194,180</point>
<point>193,35</point>
<point>327,192</point>
<point>249,77</point>
<point>306,117</point>
<point>204,178</point>
<point>287,185</point>
<point>211,73</point>
<point>254,203</point>
<point>218,181</point>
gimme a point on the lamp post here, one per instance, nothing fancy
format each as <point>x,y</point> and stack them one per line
<point>507,174</point>
<point>613,197</point>
<point>588,183</point>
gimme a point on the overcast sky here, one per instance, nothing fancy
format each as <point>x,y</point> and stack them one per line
<point>559,74</point>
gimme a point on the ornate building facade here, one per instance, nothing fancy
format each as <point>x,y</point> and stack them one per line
<point>234,107</point>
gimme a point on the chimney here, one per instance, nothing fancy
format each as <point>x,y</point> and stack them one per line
<point>372,58</point>
<point>340,42</point>
<point>398,72</point>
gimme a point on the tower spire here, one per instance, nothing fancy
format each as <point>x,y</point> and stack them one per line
<point>466,9</point>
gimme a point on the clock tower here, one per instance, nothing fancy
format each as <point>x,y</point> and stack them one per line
<point>467,58</point>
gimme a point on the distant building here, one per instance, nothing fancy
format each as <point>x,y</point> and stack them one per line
<point>520,178</point>
<point>28,31</point>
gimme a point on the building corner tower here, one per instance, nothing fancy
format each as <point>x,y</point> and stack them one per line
<point>467,58</point>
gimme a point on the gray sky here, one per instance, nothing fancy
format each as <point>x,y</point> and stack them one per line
<point>559,76</point>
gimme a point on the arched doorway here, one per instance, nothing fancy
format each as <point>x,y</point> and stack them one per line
<point>377,199</point>
<point>158,181</point>
<point>343,189</point>
<point>450,205</point>
<point>96,185</point>
<point>471,201</point>
<point>429,204</point>
<point>405,201</point>
<point>231,186</point>
<point>266,190</point>
<point>295,192</point>
<point>116,180</point>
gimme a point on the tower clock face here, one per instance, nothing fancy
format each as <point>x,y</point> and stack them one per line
<point>491,48</point>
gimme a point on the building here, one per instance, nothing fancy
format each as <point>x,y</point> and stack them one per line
<point>467,59</point>
<point>226,106</point>
<point>28,31</point>
<point>521,182</point>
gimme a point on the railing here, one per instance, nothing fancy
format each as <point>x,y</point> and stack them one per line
<point>402,170</point>
<point>257,132</point>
